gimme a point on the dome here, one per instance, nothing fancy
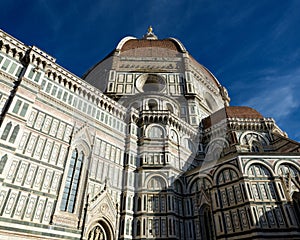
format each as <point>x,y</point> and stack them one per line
<point>231,112</point>
<point>242,112</point>
<point>131,43</point>
<point>157,65</point>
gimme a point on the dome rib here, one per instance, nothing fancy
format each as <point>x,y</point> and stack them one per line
<point>123,41</point>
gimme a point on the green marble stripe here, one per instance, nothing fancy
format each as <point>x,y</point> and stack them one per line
<point>29,190</point>
<point>38,234</point>
<point>42,226</point>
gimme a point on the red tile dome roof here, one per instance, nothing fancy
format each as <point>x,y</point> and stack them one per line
<point>146,43</point>
<point>231,112</point>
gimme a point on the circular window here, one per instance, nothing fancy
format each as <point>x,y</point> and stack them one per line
<point>150,83</point>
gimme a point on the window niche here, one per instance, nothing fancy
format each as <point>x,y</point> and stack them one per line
<point>156,132</point>
<point>72,182</point>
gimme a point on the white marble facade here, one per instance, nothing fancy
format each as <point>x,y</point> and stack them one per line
<point>143,146</point>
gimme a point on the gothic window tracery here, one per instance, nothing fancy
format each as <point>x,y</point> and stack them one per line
<point>290,178</point>
<point>286,169</point>
<point>255,141</point>
<point>72,182</point>
<point>262,186</point>
<point>258,170</point>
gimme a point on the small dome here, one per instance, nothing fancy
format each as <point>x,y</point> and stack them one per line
<point>242,112</point>
<point>231,112</point>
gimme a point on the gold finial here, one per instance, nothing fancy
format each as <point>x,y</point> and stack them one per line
<point>150,35</point>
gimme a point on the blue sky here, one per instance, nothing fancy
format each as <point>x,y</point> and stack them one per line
<point>252,47</point>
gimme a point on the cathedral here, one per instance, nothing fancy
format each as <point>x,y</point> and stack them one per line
<point>145,145</point>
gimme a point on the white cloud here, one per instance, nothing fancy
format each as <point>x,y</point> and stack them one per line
<point>277,96</point>
<point>277,102</point>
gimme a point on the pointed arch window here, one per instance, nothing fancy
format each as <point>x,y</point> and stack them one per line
<point>6,131</point>
<point>14,134</point>
<point>2,163</point>
<point>72,182</point>
<point>127,226</point>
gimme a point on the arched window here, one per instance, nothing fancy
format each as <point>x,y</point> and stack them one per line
<point>14,134</point>
<point>227,175</point>
<point>287,169</point>
<point>255,141</point>
<point>128,226</point>
<point>156,132</point>
<point>174,136</point>
<point>152,105</point>
<point>156,183</point>
<point>264,189</point>
<point>72,182</point>
<point>2,163</point>
<point>258,170</point>
<point>6,131</point>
